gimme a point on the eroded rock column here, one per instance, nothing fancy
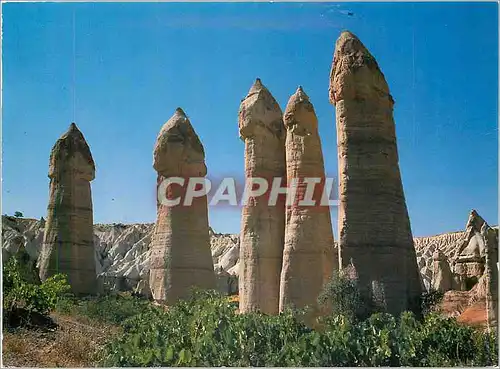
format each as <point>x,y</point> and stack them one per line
<point>490,236</point>
<point>68,244</point>
<point>442,276</point>
<point>262,225</point>
<point>180,248</point>
<point>309,256</point>
<point>374,227</point>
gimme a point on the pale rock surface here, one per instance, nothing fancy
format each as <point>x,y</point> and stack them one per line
<point>118,256</point>
<point>17,232</point>
<point>490,236</point>
<point>442,277</point>
<point>309,256</point>
<point>374,227</point>
<point>125,256</point>
<point>262,226</point>
<point>180,247</point>
<point>68,244</point>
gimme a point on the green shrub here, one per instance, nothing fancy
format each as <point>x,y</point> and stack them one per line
<point>20,293</point>
<point>342,296</point>
<point>430,300</point>
<point>114,309</point>
<point>206,331</point>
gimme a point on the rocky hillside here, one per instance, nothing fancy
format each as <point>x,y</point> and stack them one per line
<point>122,252</point>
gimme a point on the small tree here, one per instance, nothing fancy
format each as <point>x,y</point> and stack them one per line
<point>341,296</point>
<point>18,214</point>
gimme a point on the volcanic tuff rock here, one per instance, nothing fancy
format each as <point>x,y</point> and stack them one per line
<point>442,277</point>
<point>425,247</point>
<point>180,246</point>
<point>476,260</point>
<point>309,256</point>
<point>68,241</point>
<point>123,255</point>
<point>122,252</point>
<point>262,226</point>
<point>490,236</point>
<point>374,228</point>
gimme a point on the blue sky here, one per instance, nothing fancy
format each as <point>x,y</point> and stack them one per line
<point>120,70</point>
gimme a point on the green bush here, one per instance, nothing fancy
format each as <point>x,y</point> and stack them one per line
<point>430,300</point>
<point>114,309</point>
<point>341,296</point>
<point>19,291</point>
<point>206,331</point>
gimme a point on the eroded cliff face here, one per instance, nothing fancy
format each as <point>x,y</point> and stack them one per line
<point>122,253</point>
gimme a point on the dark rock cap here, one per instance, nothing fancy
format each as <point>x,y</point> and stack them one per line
<point>66,148</point>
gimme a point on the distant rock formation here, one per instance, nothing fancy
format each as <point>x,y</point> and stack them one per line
<point>442,277</point>
<point>262,226</point>
<point>180,246</point>
<point>476,265</point>
<point>374,227</point>
<point>309,256</point>
<point>425,247</point>
<point>490,236</point>
<point>123,258</point>
<point>68,243</point>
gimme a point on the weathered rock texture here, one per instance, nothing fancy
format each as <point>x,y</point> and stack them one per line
<point>123,258</point>
<point>180,247</point>
<point>309,256</point>
<point>442,276</point>
<point>262,226</point>
<point>476,265</point>
<point>122,253</point>
<point>374,227</point>
<point>68,245</point>
<point>490,235</point>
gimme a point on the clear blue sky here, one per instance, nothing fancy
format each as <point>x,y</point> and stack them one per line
<point>130,65</point>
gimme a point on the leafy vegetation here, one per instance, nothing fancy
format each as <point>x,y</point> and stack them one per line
<point>112,309</point>
<point>23,298</point>
<point>341,296</point>
<point>18,214</point>
<point>207,331</point>
<point>430,300</point>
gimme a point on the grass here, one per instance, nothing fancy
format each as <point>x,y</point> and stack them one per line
<point>73,344</point>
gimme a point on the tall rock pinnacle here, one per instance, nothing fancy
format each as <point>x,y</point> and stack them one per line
<point>374,227</point>
<point>309,256</point>
<point>68,244</point>
<point>262,225</point>
<point>181,257</point>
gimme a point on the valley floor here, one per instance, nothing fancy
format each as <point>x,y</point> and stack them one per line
<point>77,342</point>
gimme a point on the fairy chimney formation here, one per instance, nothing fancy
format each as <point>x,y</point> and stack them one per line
<point>476,262</point>
<point>490,236</point>
<point>68,244</point>
<point>374,227</point>
<point>442,276</point>
<point>181,257</point>
<point>308,256</point>
<point>262,225</point>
